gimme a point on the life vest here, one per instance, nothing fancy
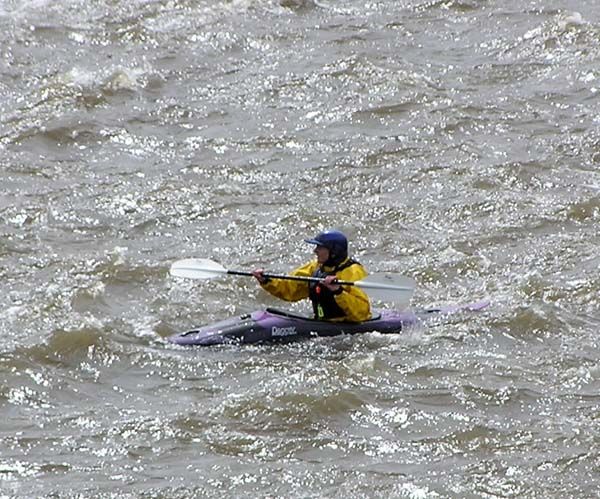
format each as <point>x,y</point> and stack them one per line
<point>322,298</point>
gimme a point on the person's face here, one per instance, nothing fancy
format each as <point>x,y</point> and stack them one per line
<point>322,254</point>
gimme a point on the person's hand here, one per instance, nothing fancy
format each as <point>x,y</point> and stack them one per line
<point>260,275</point>
<point>330,282</point>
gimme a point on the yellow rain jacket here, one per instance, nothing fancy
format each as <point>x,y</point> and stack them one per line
<point>353,303</point>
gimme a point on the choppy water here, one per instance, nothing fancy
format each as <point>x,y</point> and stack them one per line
<point>457,142</point>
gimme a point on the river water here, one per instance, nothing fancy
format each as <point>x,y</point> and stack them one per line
<point>454,141</point>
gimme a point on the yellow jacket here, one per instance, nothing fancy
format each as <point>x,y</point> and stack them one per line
<point>353,301</point>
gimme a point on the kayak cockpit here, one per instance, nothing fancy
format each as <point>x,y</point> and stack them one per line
<point>293,315</point>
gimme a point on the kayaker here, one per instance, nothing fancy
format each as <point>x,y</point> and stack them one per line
<point>330,300</point>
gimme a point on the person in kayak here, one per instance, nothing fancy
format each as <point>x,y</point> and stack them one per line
<point>330,300</point>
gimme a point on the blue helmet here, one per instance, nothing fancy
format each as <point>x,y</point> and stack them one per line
<point>335,242</point>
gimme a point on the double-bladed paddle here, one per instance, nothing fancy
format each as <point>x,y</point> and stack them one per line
<point>385,287</point>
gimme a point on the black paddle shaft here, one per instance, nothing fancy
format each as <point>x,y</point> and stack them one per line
<point>289,277</point>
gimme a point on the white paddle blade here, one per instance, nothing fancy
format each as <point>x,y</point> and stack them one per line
<point>197,268</point>
<point>392,288</point>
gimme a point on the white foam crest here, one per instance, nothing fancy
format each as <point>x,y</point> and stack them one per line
<point>413,491</point>
<point>122,79</point>
<point>117,254</point>
<point>114,78</point>
<point>23,7</point>
<point>79,77</point>
<point>146,328</point>
<point>571,19</point>
<point>14,312</point>
<point>562,22</point>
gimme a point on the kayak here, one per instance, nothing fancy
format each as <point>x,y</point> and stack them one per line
<point>272,325</point>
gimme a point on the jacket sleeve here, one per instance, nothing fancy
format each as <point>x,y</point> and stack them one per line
<point>353,300</point>
<point>291,290</point>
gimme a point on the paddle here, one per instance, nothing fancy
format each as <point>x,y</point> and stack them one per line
<point>384,287</point>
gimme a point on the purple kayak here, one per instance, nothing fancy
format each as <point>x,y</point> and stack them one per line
<point>270,325</point>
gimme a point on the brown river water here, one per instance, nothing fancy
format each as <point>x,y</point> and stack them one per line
<point>455,141</point>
